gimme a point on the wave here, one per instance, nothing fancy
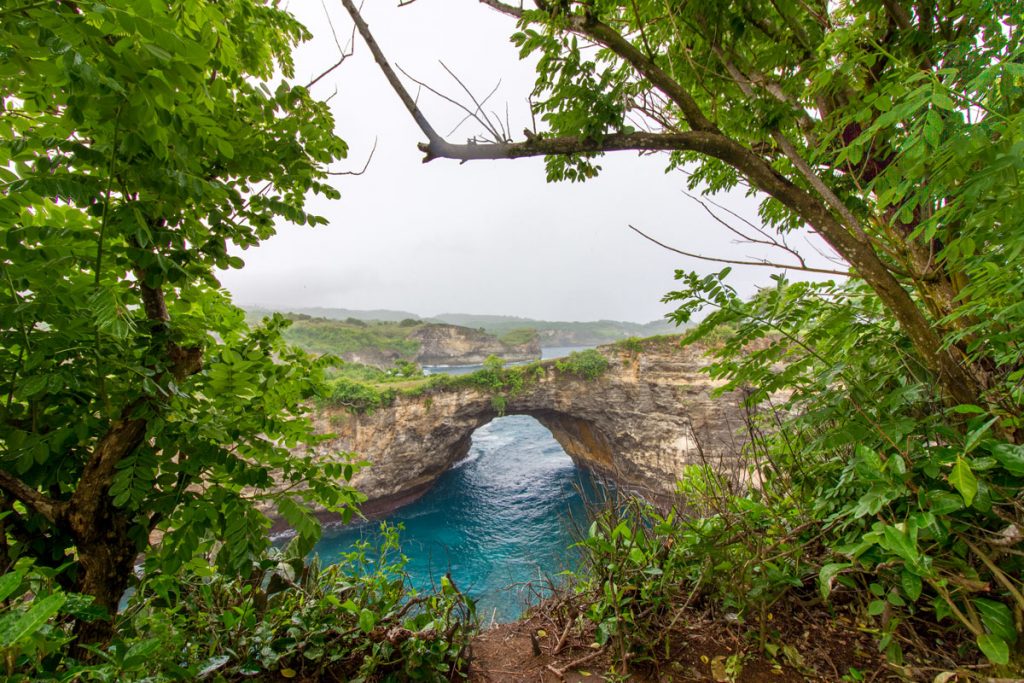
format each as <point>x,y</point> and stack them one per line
<point>473,456</point>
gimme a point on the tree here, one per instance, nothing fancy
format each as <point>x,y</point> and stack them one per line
<point>139,141</point>
<point>891,129</point>
<point>885,411</point>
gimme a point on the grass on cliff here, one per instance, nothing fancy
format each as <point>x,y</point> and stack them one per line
<point>519,336</point>
<point>339,337</point>
<point>323,336</point>
<point>361,389</point>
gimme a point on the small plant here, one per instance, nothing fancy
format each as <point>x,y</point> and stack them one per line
<point>632,345</point>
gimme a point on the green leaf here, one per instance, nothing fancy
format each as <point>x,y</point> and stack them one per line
<point>997,618</point>
<point>9,583</point>
<point>141,651</point>
<point>827,574</point>
<point>29,622</point>
<point>962,479</point>
<point>900,542</point>
<point>943,502</point>
<point>975,436</point>
<point>367,620</point>
<point>968,409</point>
<point>1011,457</point>
<point>943,101</point>
<point>995,648</point>
<point>912,584</point>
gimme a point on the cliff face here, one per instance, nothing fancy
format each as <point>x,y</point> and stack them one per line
<point>641,422</point>
<point>454,345</point>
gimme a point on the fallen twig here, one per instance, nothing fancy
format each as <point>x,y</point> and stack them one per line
<point>575,663</point>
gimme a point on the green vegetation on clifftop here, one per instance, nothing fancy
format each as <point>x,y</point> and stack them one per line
<point>363,390</point>
<point>324,336</point>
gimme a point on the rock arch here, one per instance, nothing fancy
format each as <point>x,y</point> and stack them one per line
<point>641,422</point>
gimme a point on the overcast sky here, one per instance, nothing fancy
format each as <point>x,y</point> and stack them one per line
<point>483,237</point>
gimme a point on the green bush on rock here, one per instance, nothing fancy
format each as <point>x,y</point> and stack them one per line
<point>588,365</point>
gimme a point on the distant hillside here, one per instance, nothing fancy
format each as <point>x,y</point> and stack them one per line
<point>383,314</point>
<point>551,333</point>
<point>562,333</point>
<point>383,343</point>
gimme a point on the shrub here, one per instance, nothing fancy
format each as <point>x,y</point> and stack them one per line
<point>359,397</point>
<point>356,620</point>
<point>633,345</point>
<point>588,365</point>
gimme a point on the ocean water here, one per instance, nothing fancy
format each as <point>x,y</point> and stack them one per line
<point>497,520</point>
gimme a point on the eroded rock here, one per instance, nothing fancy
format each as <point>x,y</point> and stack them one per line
<point>640,422</point>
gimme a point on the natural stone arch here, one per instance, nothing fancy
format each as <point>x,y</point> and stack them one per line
<point>640,422</point>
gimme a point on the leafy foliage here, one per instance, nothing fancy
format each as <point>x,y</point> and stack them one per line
<point>359,397</point>
<point>915,502</point>
<point>355,620</point>
<point>139,143</point>
<point>588,365</point>
<point>643,569</point>
<point>324,336</point>
<point>892,130</point>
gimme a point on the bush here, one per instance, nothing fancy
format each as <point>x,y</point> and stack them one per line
<point>356,620</point>
<point>359,397</point>
<point>726,553</point>
<point>588,365</point>
<point>913,502</point>
<point>633,345</point>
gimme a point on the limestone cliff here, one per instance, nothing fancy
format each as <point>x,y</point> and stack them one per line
<point>641,422</point>
<point>442,344</point>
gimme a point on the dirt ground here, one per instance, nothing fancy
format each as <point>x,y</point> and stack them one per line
<point>808,645</point>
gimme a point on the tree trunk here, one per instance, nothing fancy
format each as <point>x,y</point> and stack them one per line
<point>106,555</point>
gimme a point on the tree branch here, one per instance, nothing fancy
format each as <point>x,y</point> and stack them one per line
<point>845,235</point>
<point>763,264</point>
<point>389,73</point>
<point>52,510</point>
<point>365,166</point>
<point>697,141</point>
<point>680,96</point>
<point>504,8</point>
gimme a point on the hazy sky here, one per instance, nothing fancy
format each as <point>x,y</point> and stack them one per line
<point>481,237</point>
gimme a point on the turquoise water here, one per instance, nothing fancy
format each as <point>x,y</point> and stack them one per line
<point>496,520</point>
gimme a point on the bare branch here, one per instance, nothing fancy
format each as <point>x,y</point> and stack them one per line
<point>51,510</point>
<point>390,74</point>
<point>541,146</point>
<point>470,115</point>
<point>342,53</point>
<point>728,211</point>
<point>762,264</point>
<point>766,239</point>
<point>486,122</point>
<point>365,166</point>
<point>504,8</point>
